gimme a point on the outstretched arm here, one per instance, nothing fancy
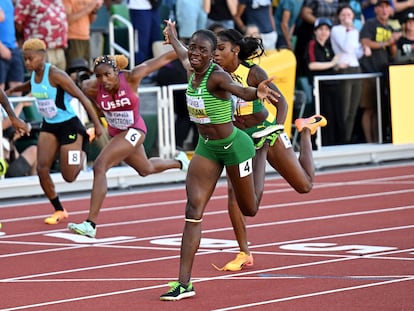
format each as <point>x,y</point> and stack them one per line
<point>144,69</point>
<point>171,37</point>
<point>221,80</point>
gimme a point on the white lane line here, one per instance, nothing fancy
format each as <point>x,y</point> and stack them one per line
<point>314,294</point>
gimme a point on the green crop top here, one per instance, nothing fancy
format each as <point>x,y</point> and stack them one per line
<point>203,107</point>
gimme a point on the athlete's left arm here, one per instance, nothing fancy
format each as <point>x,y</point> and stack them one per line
<point>149,66</point>
<point>257,75</point>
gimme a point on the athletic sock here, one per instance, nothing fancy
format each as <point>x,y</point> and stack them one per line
<point>92,223</point>
<point>56,204</point>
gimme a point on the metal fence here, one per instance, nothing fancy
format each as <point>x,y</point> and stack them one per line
<point>316,93</point>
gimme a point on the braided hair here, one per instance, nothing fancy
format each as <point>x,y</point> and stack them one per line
<point>115,61</point>
<point>250,47</point>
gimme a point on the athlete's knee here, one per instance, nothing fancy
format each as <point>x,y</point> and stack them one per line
<point>42,170</point>
<point>145,172</point>
<point>304,188</point>
<point>193,212</point>
<point>248,210</point>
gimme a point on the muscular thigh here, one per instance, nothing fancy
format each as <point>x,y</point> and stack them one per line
<point>242,184</point>
<point>127,146</point>
<point>201,181</point>
<point>48,147</point>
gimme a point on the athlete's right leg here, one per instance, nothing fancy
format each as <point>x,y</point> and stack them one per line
<point>298,173</point>
<point>201,181</point>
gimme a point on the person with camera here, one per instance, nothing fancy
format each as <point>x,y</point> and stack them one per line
<point>12,128</point>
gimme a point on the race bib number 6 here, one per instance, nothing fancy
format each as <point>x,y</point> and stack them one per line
<point>133,136</point>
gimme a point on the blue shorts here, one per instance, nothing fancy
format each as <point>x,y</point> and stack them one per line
<point>12,70</point>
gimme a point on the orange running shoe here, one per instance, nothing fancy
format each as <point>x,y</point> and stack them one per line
<point>312,123</point>
<point>56,217</point>
<point>242,259</point>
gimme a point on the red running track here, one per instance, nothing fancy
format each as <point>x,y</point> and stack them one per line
<point>348,245</point>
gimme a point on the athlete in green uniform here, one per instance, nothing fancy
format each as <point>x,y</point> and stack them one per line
<point>235,53</point>
<point>220,144</point>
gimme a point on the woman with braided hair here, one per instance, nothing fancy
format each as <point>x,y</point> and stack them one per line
<point>62,133</point>
<point>235,53</point>
<point>114,91</point>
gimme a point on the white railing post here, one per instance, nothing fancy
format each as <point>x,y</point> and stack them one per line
<point>113,46</point>
<point>316,93</point>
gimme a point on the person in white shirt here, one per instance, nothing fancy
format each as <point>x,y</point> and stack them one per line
<point>345,43</point>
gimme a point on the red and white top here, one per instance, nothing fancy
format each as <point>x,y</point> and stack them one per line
<point>122,111</point>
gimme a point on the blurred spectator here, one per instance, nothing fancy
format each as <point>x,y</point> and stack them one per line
<point>402,8</point>
<point>311,10</point>
<point>145,18</point>
<point>1,15</point>
<point>190,18</point>
<point>260,13</point>
<point>252,31</point>
<point>17,164</point>
<point>345,43</point>
<point>11,59</point>
<point>286,16</point>
<point>368,8</point>
<point>80,15</point>
<point>220,12</point>
<point>321,60</point>
<point>216,28</point>
<point>44,20</point>
<point>379,37</point>
<point>356,6</point>
<point>405,44</point>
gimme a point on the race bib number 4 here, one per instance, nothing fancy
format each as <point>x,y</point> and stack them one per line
<point>245,168</point>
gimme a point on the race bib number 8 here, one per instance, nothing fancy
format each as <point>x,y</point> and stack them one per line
<point>133,136</point>
<point>74,157</point>
<point>245,168</point>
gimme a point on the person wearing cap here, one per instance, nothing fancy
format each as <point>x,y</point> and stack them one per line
<point>379,37</point>
<point>321,60</point>
<point>311,10</point>
<point>405,45</point>
<point>61,133</point>
<point>402,8</point>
